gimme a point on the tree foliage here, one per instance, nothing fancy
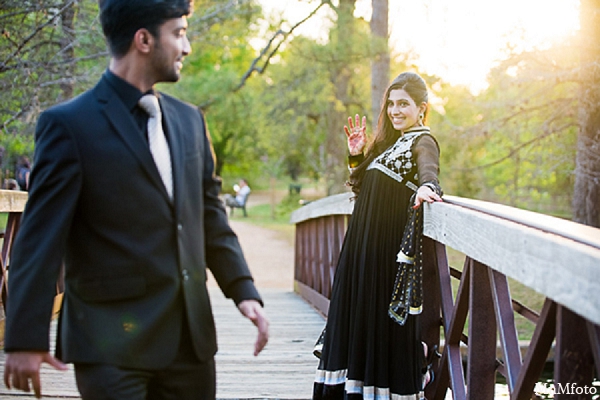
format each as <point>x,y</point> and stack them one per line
<point>220,56</point>
<point>528,125</point>
<point>276,102</point>
<point>49,50</point>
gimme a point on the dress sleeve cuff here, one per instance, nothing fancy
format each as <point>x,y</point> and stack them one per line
<point>354,161</point>
<point>243,289</point>
<point>433,185</point>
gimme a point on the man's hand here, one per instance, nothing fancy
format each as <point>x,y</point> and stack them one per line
<point>20,367</point>
<point>252,310</point>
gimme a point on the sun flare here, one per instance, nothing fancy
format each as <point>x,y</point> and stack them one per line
<point>458,40</point>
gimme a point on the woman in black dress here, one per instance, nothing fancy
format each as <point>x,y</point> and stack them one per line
<point>366,354</point>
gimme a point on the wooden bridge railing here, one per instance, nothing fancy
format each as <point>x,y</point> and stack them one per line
<point>12,202</point>
<point>557,258</point>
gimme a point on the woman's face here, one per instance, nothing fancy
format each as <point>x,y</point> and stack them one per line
<point>402,110</point>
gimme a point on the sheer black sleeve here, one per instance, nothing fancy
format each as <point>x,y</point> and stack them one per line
<point>427,155</point>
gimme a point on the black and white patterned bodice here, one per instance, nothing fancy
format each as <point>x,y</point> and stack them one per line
<point>398,161</point>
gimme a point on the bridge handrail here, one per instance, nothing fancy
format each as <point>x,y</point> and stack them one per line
<point>563,257</point>
<point>338,204</point>
<point>12,201</point>
<point>557,258</point>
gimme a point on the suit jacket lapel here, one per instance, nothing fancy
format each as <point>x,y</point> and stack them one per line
<point>124,125</point>
<point>172,132</point>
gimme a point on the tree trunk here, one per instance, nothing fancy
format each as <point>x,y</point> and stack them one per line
<point>336,148</point>
<point>67,49</point>
<point>586,196</point>
<point>380,66</point>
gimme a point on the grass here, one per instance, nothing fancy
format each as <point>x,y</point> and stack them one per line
<point>3,219</point>
<point>275,218</point>
<point>262,215</point>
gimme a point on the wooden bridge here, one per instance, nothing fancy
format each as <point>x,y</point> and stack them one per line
<point>557,258</point>
<point>286,367</point>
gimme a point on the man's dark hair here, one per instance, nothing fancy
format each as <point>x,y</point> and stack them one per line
<point>120,19</point>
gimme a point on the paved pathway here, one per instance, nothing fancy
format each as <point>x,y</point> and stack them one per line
<point>284,370</point>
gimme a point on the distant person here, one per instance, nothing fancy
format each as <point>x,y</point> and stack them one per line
<point>371,349</point>
<point>123,191</point>
<point>22,173</point>
<point>242,190</point>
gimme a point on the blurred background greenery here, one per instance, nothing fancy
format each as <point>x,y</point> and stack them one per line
<point>276,101</point>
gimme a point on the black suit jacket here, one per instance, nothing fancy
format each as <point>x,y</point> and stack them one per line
<point>135,261</point>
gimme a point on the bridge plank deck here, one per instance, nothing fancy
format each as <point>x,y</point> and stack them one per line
<point>285,369</point>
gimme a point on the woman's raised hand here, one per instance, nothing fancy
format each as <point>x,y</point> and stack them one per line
<point>357,135</point>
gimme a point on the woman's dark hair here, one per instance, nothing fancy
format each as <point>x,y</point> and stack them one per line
<point>386,135</point>
<point>121,19</point>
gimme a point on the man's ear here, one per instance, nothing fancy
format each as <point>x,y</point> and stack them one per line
<point>143,40</point>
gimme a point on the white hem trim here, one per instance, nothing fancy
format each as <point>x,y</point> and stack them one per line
<point>333,378</point>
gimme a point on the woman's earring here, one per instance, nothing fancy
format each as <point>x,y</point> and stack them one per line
<point>421,116</point>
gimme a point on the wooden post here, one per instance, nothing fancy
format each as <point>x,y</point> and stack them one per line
<point>537,353</point>
<point>505,320</point>
<point>431,318</point>
<point>573,363</point>
<point>481,368</point>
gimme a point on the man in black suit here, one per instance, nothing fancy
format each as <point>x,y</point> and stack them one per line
<point>136,319</point>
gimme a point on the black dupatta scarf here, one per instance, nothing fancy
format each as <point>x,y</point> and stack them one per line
<point>407,295</point>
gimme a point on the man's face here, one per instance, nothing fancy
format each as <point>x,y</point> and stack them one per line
<point>170,49</point>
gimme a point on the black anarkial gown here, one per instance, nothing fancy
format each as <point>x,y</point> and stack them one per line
<point>366,355</point>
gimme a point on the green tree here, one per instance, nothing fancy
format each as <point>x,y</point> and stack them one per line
<point>295,97</point>
<point>453,113</point>
<point>526,129</point>
<point>218,79</point>
<point>46,47</point>
<point>220,56</point>
<point>380,64</point>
